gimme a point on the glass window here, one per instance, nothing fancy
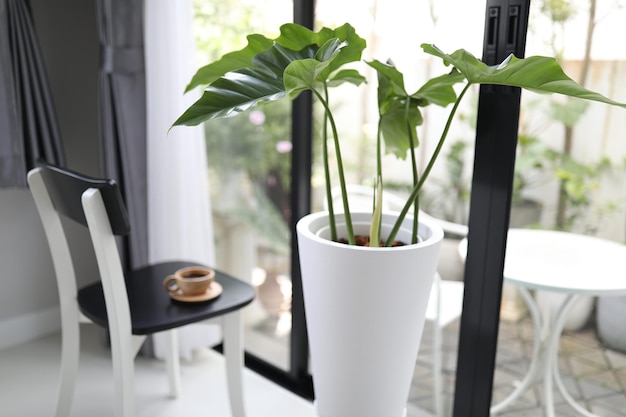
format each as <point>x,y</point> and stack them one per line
<point>250,162</point>
<point>581,155</point>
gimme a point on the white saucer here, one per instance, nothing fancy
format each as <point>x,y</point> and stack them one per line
<point>214,290</point>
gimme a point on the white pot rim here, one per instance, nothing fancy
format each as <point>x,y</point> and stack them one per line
<point>315,224</point>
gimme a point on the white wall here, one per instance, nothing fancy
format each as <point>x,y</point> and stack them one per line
<point>28,300</point>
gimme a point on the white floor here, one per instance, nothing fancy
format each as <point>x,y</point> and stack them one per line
<point>28,378</point>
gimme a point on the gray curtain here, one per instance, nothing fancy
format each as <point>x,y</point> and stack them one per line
<point>28,125</point>
<point>122,110</point>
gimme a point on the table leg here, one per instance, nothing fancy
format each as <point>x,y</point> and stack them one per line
<point>552,352</point>
<point>552,365</point>
<point>234,357</point>
<point>533,369</point>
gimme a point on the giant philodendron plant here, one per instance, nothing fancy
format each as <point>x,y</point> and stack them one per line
<point>300,59</point>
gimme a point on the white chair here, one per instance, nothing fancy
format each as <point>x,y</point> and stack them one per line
<point>446,297</point>
<point>130,304</point>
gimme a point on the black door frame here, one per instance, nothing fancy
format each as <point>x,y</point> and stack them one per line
<point>506,24</point>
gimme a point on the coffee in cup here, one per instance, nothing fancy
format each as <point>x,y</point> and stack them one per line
<point>193,280</point>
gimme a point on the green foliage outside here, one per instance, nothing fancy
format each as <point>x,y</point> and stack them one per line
<point>261,154</point>
<point>536,164</point>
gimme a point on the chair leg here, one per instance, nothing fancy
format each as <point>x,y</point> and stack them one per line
<point>233,354</point>
<point>123,358</point>
<point>172,362</point>
<point>70,351</point>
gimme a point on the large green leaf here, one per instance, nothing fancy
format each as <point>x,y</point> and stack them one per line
<point>440,90</point>
<point>232,94</point>
<point>303,75</point>
<point>292,36</point>
<point>396,120</point>
<point>231,61</point>
<point>296,37</point>
<point>308,75</point>
<point>239,90</point>
<point>312,74</point>
<point>255,74</point>
<point>392,104</point>
<point>346,76</point>
<point>389,74</point>
<point>394,127</point>
<point>275,60</point>
<point>535,73</point>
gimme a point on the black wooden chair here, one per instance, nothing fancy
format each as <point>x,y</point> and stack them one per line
<point>130,304</point>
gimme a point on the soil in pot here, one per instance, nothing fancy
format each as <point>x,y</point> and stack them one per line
<point>362,240</point>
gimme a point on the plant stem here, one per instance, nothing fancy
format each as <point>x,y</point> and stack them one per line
<point>377,214</point>
<point>377,201</point>
<point>411,133</point>
<point>379,151</point>
<point>329,194</point>
<point>340,171</point>
<point>429,167</point>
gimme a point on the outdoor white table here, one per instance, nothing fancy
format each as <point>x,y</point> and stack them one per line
<point>568,263</point>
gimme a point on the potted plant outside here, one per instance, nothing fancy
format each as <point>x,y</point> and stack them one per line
<point>364,317</point>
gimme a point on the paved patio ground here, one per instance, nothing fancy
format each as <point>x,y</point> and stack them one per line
<point>594,375</point>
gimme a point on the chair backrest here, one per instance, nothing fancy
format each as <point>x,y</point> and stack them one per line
<point>98,205</point>
<point>66,188</point>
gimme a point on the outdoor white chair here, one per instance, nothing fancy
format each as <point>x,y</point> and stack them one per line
<point>130,304</point>
<point>446,298</point>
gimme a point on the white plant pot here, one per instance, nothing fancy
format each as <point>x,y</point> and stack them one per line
<point>611,324</point>
<point>365,310</point>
